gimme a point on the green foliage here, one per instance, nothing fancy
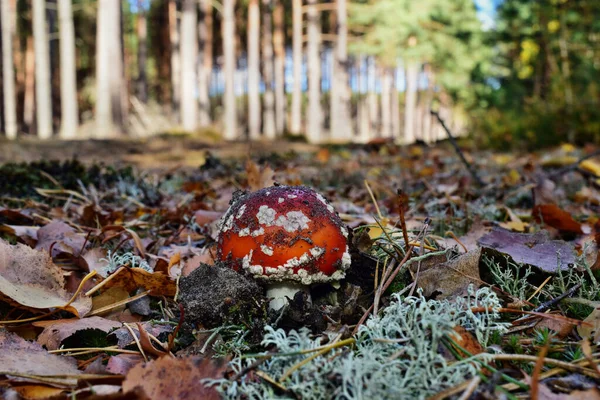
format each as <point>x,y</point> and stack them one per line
<point>444,34</point>
<point>396,355</point>
<point>542,88</point>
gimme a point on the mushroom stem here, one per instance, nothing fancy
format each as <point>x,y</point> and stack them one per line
<point>280,292</point>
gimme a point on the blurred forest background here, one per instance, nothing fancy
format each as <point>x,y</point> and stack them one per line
<point>506,73</point>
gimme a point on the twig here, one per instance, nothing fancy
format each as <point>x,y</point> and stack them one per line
<point>458,150</point>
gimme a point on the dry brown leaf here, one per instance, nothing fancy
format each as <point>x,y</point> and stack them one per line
<point>110,296</point>
<point>545,393</point>
<point>29,277</point>
<point>591,332</point>
<point>133,278</point>
<point>448,278</point>
<point>34,392</point>
<point>467,341</point>
<point>259,178</point>
<point>59,330</point>
<point>61,238</point>
<point>554,216</point>
<point>175,378</point>
<point>122,363</point>
<point>19,356</point>
<point>194,262</point>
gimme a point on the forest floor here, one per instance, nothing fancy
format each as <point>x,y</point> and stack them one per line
<point>475,278</point>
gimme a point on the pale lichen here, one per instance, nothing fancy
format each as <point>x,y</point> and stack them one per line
<point>395,356</point>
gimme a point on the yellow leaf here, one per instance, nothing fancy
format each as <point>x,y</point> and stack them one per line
<point>517,226</point>
<point>591,166</point>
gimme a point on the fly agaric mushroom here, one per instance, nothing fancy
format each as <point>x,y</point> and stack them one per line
<point>289,236</point>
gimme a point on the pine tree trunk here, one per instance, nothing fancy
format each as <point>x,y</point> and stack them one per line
<point>427,117</point>
<point>386,103</point>
<point>68,75</point>
<point>410,102</point>
<point>8,71</point>
<point>313,50</point>
<point>364,134</point>
<point>254,106</point>
<point>111,112</point>
<point>296,112</point>
<point>279,49</point>
<point>267,63</point>
<point>29,96</point>
<point>230,114</point>
<point>341,121</point>
<point>175,59</point>
<point>395,104</point>
<point>205,28</point>
<point>372,98</point>
<point>43,99</point>
<point>189,57</point>
<point>142,34</point>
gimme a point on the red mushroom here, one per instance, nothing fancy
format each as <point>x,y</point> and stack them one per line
<point>287,235</point>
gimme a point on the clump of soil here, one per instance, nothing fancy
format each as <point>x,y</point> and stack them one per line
<point>214,296</point>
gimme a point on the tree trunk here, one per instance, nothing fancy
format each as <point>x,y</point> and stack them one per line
<point>68,75</point>
<point>410,102</point>
<point>228,28</point>
<point>372,98</point>
<point>205,28</point>
<point>254,109</point>
<point>386,103</point>
<point>313,50</point>
<point>142,34</point>
<point>189,58</point>
<point>110,109</point>
<point>8,71</point>
<point>42,70</point>
<point>364,134</point>
<point>279,48</point>
<point>267,63</point>
<point>395,105</point>
<point>296,112</point>
<point>29,96</point>
<point>341,121</point>
<point>175,59</point>
<point>427,117</point>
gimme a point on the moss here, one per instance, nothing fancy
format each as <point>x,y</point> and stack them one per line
<point>21,180</point>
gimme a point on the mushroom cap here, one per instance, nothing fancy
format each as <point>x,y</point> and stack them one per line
<point>285,233</point>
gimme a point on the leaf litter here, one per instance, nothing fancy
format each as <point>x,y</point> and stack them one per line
<point>108,283</point>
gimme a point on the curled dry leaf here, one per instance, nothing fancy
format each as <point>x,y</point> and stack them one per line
<point>175,378</point>
<point>55,332</point>
<point>134,278</point>
<point>29,278</point>
<point>61,238</point>
<point>557,218</point>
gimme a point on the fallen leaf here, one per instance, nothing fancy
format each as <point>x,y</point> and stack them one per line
<point>448,278</point>
<point>591,166</point>
<point>61,238</point>
<point>134,278</point>
<point>55,332</point>
<point>259,178</point>
<point>175,378</point>
<point>29,277</point>
<point>122,363</point>
<point>591,332</point>
<point>554,216</point>
<point>533,249</point>
<point>19,356</point>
